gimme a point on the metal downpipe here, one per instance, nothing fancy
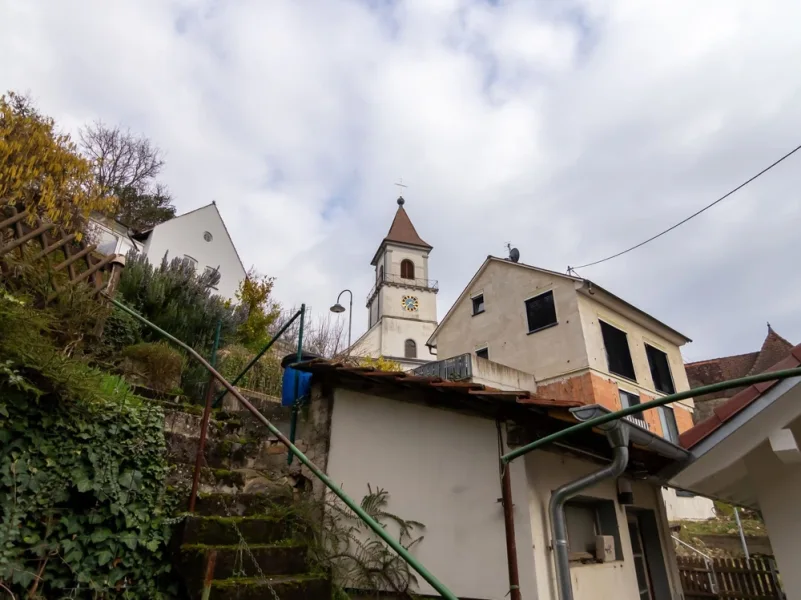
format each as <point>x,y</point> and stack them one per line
<point>619,440</point>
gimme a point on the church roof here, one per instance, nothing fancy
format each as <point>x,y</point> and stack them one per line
<point>402,231</point>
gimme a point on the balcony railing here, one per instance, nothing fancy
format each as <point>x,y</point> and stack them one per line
<point>637,421</point>
<point>456,368</point>
<point>425,284</point>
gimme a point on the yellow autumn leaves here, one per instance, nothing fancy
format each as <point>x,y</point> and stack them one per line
<point>43,168</point>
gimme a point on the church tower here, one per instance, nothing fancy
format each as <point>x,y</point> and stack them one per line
<point>402,306</point>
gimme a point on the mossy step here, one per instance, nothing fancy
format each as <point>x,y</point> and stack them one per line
<point>228,453</point>
<point>227,530</point>
<point>217,480</point>
<point>246,560</point>
<point>303,587</point>
<point>243,505</point>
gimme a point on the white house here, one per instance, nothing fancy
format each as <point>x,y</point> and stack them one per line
<point>199,236</point>
<point>434,445</point>
<point>748,453</point>
<point>402,305</point>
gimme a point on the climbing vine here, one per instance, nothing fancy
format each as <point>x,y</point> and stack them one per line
<point>83,507</point>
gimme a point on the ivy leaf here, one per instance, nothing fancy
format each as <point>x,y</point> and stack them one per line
<point>100,535</point>
<point>22,577</point>
<point>74,556</point>
<point>126,479</point>
<point>129,539</point>
<point>104,557</point>
<point>153,545</point>
<point>3,410</point>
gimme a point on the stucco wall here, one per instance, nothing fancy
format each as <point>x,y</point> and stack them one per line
<point>545,472</point>
<point>778,488</point>
<point>421,457</point>
<point>184,235</point>
<point>503,327</point>
<point>593,311</point>
<point>679,508</point>
<point>393,255</point>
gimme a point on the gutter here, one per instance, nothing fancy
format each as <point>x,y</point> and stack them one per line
<point>638,435</point>
<point>618,435</point>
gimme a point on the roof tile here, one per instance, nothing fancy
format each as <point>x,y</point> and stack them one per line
<point>402,230</point>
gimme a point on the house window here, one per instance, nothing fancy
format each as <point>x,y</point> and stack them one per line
<point>628,399</point>
<point>478,304</point>
<point>407,269</point>
<point>684,494</point>
<point>191,261</point>
<point>106,242</point>
<point>381,273</point>
<point>207,236</point>
<point>483,353</point>
<point>213,276</point>
<point>586,519</point>
<point>410,349</point>
<point>540,312</point>
<point>617,351</point>
<point>660,370</point>
<point>670,430</point>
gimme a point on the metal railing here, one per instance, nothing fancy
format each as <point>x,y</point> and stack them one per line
<point>422,284</point>
<point>639,421</point>
<point>456,368</point>
<point>377,527</point>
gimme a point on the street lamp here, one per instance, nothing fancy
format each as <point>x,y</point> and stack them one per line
<point>338,308</point>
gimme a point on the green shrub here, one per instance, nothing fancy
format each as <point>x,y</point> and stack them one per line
<point>264,376</point>
<point>82,472</point>
<point>120,330</point>
<point>154,365</point>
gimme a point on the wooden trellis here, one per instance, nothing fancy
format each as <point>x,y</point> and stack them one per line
<point>40,240</point>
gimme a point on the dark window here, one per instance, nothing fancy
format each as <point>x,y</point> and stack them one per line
<point>381,273</point>
<point>617,351</point>
<point>660,370</point>
<point>684,494</point>
<point>478,304</point>
<point>628,399</point>
<point>483,353</point>
<point>587,518</point>
<point>407,269</point>
<point>410,349</point>
<point>540,312</point>
<point>670,430</point>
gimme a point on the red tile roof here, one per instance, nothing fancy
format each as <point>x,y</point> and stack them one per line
<point>402,230</point>
<point>738,402</point>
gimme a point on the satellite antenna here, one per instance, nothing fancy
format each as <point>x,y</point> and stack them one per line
<point>514,253</point>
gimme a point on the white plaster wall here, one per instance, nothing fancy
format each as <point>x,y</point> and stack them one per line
<point>778,488</point>
<point>392,302</point>
<point>679,508</point>
<point>393,255</point>
<point>440,468</point>
<point>592,311</point>
<point>503,327</point>
<point>395,332</point>
<point>369,344</point>
<point>547,471</point>
<point>184,235</point>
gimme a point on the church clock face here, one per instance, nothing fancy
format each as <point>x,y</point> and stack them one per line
<point>410,303</point>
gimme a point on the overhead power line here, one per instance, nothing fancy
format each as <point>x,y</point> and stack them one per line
<point>692,216</point>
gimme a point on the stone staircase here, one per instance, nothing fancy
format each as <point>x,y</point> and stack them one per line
<point>246,538</point>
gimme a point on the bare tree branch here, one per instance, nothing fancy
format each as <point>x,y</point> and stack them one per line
<point>122,159</point>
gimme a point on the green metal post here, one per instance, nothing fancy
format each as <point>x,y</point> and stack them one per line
<point>377,527</point>
<point>293,423</point>
<point>638,408</point>
<point>258,356</point>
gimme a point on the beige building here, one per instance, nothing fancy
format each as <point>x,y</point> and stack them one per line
<point>402,305</point>
<point>580,342</point>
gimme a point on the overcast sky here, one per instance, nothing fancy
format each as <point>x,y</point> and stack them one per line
<point>571,129</point>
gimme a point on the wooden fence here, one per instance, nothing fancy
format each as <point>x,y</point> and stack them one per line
<point>729,578</point>
<point>70,261</point>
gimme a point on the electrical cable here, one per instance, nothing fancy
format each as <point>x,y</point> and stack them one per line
<point>695,214</point>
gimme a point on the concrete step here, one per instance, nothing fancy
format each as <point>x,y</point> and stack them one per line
<point>229,530</point>
<point>244,505</point>
<point>300,587</point>
<point>245,560</point>
<point>211,480</point>
<point>229,453</point>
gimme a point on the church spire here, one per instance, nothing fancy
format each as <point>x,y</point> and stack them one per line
<point>402,231</point>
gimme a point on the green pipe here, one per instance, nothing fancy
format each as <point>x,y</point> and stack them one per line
<point>293,422</point>
<point>356,508</point>
<point>257,357</point>
<point>638,408</point>
<point>216,345</point>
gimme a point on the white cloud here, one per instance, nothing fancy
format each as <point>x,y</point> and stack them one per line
<point>570,129</point>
